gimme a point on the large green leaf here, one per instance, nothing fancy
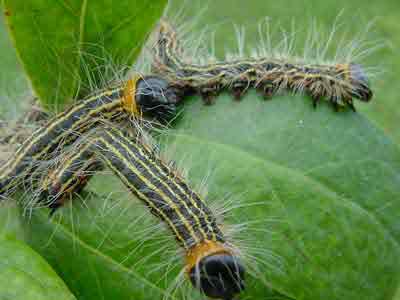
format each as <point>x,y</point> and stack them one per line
<point>54,39</point>
<point>25,275</point>
<point>318,191</point>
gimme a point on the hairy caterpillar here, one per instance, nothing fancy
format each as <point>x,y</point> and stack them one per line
<point>149,95</point>
<point>338,83</point>
<point>210,264</point>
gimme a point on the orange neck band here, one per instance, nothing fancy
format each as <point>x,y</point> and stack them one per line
<point>205,248</point>
<point>129,95</point>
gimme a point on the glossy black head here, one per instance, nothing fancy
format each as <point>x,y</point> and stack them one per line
<point>156,98</point>
<point>218,276</point>
<point>361,89</point>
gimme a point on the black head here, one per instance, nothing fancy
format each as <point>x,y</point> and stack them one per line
<point>156,98</point>
<point>218,276</point>
<point>360,83</point>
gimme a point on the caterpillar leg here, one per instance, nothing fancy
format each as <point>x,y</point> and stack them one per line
<point>351,105</point>
<point>267,88</point>
<point>71,176</point>
<point>239,89</point>
<point>209,93</point>
<point>315,100</point>
<point>210,264</point>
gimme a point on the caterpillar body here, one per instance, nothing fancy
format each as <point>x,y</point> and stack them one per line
<point>338,83</point>
<point>149,95</point>
<point>210,264</point>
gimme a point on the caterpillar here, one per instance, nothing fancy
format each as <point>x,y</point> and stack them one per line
<point>338,83</point>
<point>210,264</point>
<point>148,95</point>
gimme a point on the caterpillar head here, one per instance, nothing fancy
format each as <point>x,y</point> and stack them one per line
<point>217,274</point>
<point>156,98</point>
<point>360,83</point>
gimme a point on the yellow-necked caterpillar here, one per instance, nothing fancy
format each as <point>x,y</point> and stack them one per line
<point>339,83</point>
<point>148,95</point>
<point>210,264</point>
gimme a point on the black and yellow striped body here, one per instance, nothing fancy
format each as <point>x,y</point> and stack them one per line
<point>144,173</point>
<point>210,264</point>
<point>148,95</point>
<point>339,83</point>
<point>62,130</point>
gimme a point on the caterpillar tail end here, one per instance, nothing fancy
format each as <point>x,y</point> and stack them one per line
<point>360,82</point>
<point>215,271</point>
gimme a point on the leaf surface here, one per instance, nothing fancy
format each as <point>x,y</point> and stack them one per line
<point>67,46</point>
<point>312,192</point>
<point>25,275</point>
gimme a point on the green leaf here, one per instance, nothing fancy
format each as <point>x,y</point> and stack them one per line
<point>10,220</point>
<point>25,275</point>
<point>313,192</point>
<point>52,37</point>
<point>102,256</point>
<point>318,190</point>
<point>14,87</point>
<point>332,180</point>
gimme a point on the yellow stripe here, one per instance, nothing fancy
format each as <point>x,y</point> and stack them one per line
<point>142,196</point>
<point>148,183</point>
<point>132,168</point>
<point>198,223</point>
<point>188,196</point>
<point>167,32</point>
<point>82,121</point>
<point>66,165</point>
<point>197,220</point>
<point>58,172</point>
<point>57,120</point>
<point>64,188</point>
<point>345,70</point>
